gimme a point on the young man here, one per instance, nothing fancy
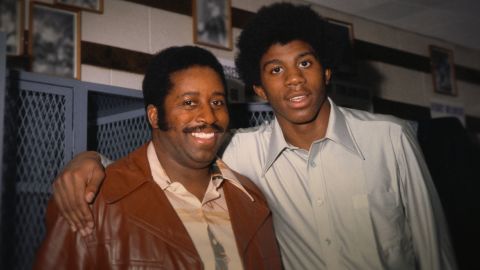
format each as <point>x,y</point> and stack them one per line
<point>171,204</point>
<point>348,189</point>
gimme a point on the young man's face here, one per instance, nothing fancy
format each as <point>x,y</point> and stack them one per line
<point>293,81</point>
<point>196,115</point>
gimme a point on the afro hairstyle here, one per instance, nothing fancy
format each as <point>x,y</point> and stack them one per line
<point>281,23</point>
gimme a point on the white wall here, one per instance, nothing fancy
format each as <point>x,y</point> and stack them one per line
<point>136,27</point>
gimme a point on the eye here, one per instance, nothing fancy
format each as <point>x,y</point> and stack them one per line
<point>188,103</point>
<point>305,64</point>
<point>276,70</point>
<point>218,102</point>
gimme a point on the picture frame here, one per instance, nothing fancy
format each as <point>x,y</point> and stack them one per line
<point>87,5</point>
<point>54,38</point>
<point>12,23</point>
<point>212,23</point>
<point>342,32</point>
<point>443,70</point>
<point>345,27</point>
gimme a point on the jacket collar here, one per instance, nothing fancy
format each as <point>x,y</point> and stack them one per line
<point>337,131</point>
<point>133,172</point>
<point>148,208</point>
<point>151,209</point>
<point>246,216</point>
<point>220,172</point>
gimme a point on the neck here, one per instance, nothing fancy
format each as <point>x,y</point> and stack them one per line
<point>303,135</point>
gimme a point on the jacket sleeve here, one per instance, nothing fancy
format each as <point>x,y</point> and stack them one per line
<point>422,205</point>
<point>61,248</point>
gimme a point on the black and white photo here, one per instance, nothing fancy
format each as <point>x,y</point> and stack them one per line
<point>11,22</point>
<point>54,40</point>
<point>443,70</point>
<point>212,23</point>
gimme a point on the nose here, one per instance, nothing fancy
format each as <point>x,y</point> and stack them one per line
<point>207,115</point>
<point>295,77</point>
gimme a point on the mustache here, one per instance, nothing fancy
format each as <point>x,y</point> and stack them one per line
<point>216,128</point>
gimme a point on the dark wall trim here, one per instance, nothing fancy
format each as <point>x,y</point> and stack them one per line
<point>364,50</point>
<point>400,109</point>
<point>178,6</point>
<point>114,58</point>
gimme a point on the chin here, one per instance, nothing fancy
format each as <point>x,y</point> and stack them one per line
<point>204,159</point>
<point>303,118</point>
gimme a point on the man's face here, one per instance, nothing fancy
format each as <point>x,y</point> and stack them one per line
<point>196,115</point>
<point>293,81</point>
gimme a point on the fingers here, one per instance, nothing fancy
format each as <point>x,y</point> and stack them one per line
<point>71,193</point>
<point>61,204</point>
<point>94,183</point>
<point>64,195</point>
<point>91,189</point>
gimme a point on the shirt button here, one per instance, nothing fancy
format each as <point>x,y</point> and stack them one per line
<point>328,241</point>
<point>319,202</point>
<point>313,164</point>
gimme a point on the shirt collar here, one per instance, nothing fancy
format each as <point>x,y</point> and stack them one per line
<point>337,131</point>
<point>220,172</point>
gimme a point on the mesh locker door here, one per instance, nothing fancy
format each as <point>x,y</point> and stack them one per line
<point>259,114</point>
<point>117,124</point>
<point>37,143</point>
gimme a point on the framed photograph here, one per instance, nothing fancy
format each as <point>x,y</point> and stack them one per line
<point>344,28</point>
<point>443,70</point>
<point>212,23</point>
<point>54,40</point>
<point>11,22</point>
<point>87,5</point>
<point>342,32</point>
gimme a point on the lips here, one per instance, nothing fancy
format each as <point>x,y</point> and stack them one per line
<point>298,100</point>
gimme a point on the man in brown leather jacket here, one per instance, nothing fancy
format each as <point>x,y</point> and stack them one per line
<point>171,204</point>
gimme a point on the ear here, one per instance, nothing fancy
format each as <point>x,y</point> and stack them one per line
<point>328,75</point>
<point>152,115</point>
<point>260,92</point>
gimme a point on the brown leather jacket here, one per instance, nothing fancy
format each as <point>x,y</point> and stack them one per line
<point>137,228</point>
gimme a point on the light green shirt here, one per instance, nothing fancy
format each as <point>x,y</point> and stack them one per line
<point>361,198</point>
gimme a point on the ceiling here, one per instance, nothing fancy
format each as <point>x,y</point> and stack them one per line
<point>455,21</point>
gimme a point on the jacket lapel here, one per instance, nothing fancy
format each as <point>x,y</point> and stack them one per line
<point>145,202</point>
<point>155,214</point>
<point>246,216</point>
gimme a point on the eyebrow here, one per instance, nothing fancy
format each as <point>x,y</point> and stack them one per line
<point>273,61</point>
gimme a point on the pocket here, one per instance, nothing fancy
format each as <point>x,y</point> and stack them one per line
<point>388,218</point>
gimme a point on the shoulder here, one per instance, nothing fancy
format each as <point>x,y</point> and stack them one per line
<point>359,120</point>
<point>135,162</point>
<point>242,138</point>
<point>253,133</point>
<point>126,175</point>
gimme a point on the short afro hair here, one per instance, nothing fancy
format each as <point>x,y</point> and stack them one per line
<point>157,83</point>
<point>280,23</point>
